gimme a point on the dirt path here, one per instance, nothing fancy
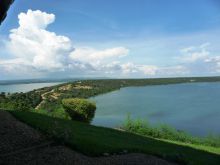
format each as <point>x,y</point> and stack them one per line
<point>21,144</point>
<point>43,98</point>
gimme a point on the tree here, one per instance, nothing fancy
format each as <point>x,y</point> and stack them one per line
<point>21,106</point>
<point>2,95</point>
<point>79,109</point>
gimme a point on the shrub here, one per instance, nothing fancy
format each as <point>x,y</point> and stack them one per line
<point>79,109</point>
<point>21,106</point>
<point>167,132</point>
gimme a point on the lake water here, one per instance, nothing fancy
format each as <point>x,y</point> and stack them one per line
<point>25,87</point>
<point>194,107</point>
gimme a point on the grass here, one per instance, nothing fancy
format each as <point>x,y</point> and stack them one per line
<point>142,127</point>
<point>95,141</point>
<point>57,113</point>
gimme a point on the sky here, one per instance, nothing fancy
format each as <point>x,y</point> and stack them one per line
<point>117,38</point>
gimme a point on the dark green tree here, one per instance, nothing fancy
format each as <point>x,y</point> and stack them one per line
<point>79,109</point>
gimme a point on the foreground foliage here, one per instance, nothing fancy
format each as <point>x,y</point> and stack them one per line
<point>167,132</point>
<point>95,141</point>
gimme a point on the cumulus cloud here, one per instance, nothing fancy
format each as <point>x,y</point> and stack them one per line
<point>192,54</point>
<point>31,42</point>
<point>199,60</point>
<point>130,68</point>
<point>91,54</point>
<point>35,19</point>
<point>36,51</point>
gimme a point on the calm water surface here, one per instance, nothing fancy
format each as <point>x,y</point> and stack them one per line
<point>25,87</point>
<point>191,107</point>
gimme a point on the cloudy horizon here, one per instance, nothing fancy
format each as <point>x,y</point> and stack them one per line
<point>42,44</point>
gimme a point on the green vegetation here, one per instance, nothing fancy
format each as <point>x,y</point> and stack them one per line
<point>91,140</point>
<point>21,101</point>
<point>79,109</point>
<point>49,99</point>
<point>58,113</point>
<point>166,132</point>
<point>95,141</point>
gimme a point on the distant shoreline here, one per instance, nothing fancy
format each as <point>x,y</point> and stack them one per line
<point>31,81</point>
<point>16,82</point>
<point>66,80</point>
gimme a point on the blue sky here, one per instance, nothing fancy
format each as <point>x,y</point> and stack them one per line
<point>117,38</point>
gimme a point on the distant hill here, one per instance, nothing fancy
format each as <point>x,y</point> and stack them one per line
<point>45,80</point>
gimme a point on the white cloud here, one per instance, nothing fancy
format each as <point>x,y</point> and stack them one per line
<point>214,63</point>
<point>35,51</point>
<point>100,61</point>
<point>13,64</point>
<point>192,53</point>
<point>90,54</point>
<point>35,19</point>
<point>174,70</point>
<point>153,70</point>
<point>199,60</point>
<point>188,49</point>
<point>129,68</point>
<point>31,42</point>
<point>147,70</point>
<point>18,68</point>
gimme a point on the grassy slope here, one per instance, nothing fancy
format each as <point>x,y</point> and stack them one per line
<point>95,141</point>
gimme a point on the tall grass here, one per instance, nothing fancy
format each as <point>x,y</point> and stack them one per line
<point>164,131</point>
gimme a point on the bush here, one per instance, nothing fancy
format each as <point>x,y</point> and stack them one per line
<point>144,128</point>
<point>21,106</point>
<point>79,109</point>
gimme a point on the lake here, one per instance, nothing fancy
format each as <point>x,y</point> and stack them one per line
<point>12,88</point>
<point>193,107</point>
